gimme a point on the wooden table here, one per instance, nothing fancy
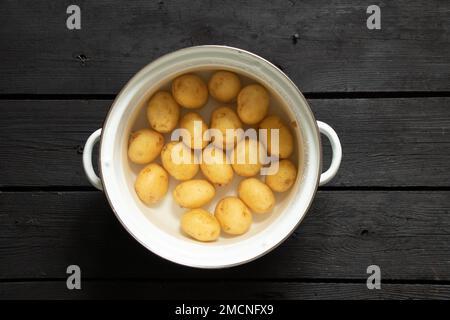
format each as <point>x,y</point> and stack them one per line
<point>386,92</point>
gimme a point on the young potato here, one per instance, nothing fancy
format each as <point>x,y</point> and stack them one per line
<point>286,140</point>
<point>151,183</point>
<point>246,157</point>
<point>223,119</point>
<point>215,167</point>
<point>200,225</point>
<point>194,193</point>
<point>224,86</point>
<point>163,112</point>
<point>144,146</point>
<point>194,123</point>
<point>190,91</point>
<point>256,195</point>
<point>284,178</point>
<point>253,103</point>
<point>179,160</point>
<point>234,216</point>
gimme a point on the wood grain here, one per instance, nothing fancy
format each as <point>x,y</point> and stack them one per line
<point>406,233</point>
<point>324,46</point>
<point>389,204</point>
<point>218,290</point>
<point>386,142</point>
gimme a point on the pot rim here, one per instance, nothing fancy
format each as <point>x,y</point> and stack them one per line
<point>308,110</point>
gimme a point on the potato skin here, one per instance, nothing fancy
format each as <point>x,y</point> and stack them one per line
<point>200,225</point>
<point>215,167</point>
<point>253,103</point>
<point>194,193</point>
<point>256,195</point>
<point>189,122</point>
<point>152,183</point>
<point>190,91</point>
<point>286,140</point>
<point>284,178</point>
<point>224,118</point>
<point>144,146</point>
<point>248,151</point>
<point>163,112</point>
<point>180,171</point>
<point>233,215</point>
<point>224,86</point>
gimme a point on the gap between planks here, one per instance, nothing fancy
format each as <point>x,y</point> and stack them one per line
<point>18,189</point>
<point>308,95</point>
<point>249,280</point>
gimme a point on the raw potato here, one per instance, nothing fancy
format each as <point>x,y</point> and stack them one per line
<point>152,183</point>
<point>286,140</point>
<point>194,193</point>
<point>246,157</point>
<point>253,103</point>
<point>284,178</point>
<point>215,167</point>
<point>181,163</point>
<point>234,216</point>
<point>256,195</point>
<point>194,123</point>
<point>163,112</point>
<point>190,91</point>
<point>144,146</point>
<point>200,225</point>
<point>224,86</point>
<point>224,118</point>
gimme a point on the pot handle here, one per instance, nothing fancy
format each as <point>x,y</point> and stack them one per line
<point>337,152</point>
<point>87,159</point>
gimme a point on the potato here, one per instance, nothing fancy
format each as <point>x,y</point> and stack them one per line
<point>152,183</point>
<point>200,225</point>
<point>144,146</point>
<point>194,193</point>
<point>234,216</point>
<point>224,86</point>
<point>253,104</point>
<point>194,123</point>
<point>225,119</point>
<point>286,140</point>
<point>256,195</point>
<point>284,178</point>
<point>163,112</point>
<point>215,166</point>
<point>190,91</point>
<point>179,160</point>
<point>246,157</point>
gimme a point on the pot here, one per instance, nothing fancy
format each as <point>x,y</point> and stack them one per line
<point>157,227</point>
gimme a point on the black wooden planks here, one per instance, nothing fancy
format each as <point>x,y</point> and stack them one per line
<point>232,290</point>
<point>324,46</point>
<point>406,233</point>
<point>386,142</point>
<point>388,205</point>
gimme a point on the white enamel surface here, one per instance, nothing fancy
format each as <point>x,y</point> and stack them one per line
<point>157,227</point>
<point>337,152</point>
<point>87,159</point>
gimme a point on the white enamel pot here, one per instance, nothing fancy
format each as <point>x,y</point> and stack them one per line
<point>157,227</point>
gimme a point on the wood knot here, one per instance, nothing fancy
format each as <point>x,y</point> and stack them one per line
<point>82,58</point>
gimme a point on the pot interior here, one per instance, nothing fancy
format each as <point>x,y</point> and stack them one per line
<point>166,214</point>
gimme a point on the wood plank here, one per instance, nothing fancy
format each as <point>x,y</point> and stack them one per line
<point>323,45</point>
<point>41,142</point>
<point>406,233</point>
<point>57,290</point>
<point>386,142</point>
